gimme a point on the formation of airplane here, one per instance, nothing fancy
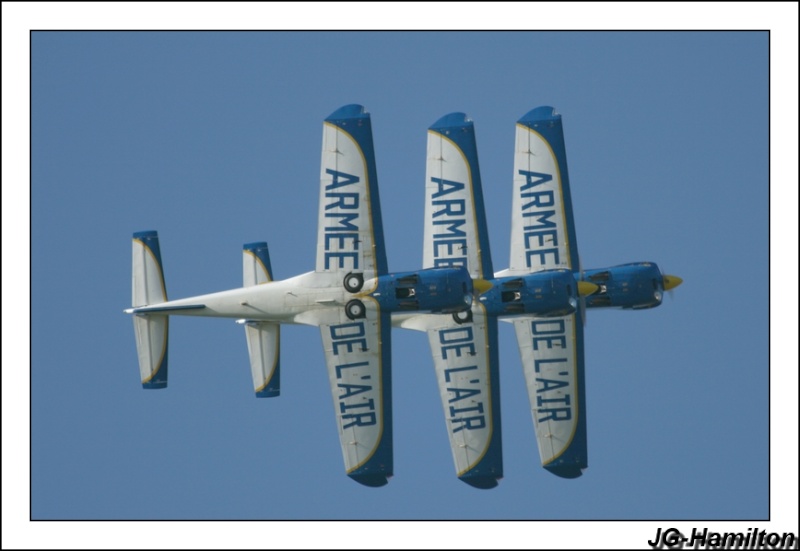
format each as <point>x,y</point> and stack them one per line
<point>456,298</point>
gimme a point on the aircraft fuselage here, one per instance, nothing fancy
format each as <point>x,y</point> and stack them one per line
<point>295,300</point>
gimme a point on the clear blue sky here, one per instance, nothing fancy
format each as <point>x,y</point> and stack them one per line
<point>213,139</point>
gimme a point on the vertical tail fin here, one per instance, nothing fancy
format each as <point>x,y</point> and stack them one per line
<point>263,338</point>
<point>151,330</point>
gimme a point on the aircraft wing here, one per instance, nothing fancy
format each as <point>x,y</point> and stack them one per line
<point>455,219</point>
<point>466,363</point>
<point>542,226</point>
<point>350,241</point>
<point>350,234</point>
<point>543,238</point>
<point>552,361</point>
<point>464,352</point>
<point>358,356</point>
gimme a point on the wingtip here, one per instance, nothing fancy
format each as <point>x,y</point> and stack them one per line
<point>566,471</point>
<point>452,120</point>
<point>481,482</point>
<point>540,114</point>
<point>371,480</point>
<point>351,111</point>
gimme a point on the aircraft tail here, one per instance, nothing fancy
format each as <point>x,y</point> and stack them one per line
<point>151,329</point>
<point>263,338</point>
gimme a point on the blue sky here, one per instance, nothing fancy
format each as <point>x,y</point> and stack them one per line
<point>213,139</point>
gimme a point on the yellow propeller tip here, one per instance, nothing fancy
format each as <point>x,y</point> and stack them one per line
<point>671,281</point>
<point>585,288</point>
<point>481,285</point>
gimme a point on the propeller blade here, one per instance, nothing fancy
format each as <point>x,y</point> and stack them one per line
<point>586,291</point>
<point>669,282</point>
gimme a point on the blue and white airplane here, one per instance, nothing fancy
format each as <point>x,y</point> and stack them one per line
<point>543,293</point>
<point>350,296</point>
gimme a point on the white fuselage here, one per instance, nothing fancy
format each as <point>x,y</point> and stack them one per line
<point>290,300</point>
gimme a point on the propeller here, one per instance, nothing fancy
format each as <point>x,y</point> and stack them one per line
<point>481,285</point>
<point>584,288</point>
<point>670,282</point>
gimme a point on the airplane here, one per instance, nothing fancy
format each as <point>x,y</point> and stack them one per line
<point>544,293</point>
<point>350,295</point>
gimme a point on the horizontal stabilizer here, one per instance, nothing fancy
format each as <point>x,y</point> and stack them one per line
<point>164,309</point>
<point>263,345</point>
<point>151,345</point>
<point>148,274</point>
<point>151,330</point>
<point>263,338</point>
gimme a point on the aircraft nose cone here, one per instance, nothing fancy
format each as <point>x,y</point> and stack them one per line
<point>481,285</point>
<point>585,288</point>
<point>671,281</point>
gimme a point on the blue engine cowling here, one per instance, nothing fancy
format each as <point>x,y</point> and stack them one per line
<point>636,285</point>
<point>547,293</point>
<point>434,290</point>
